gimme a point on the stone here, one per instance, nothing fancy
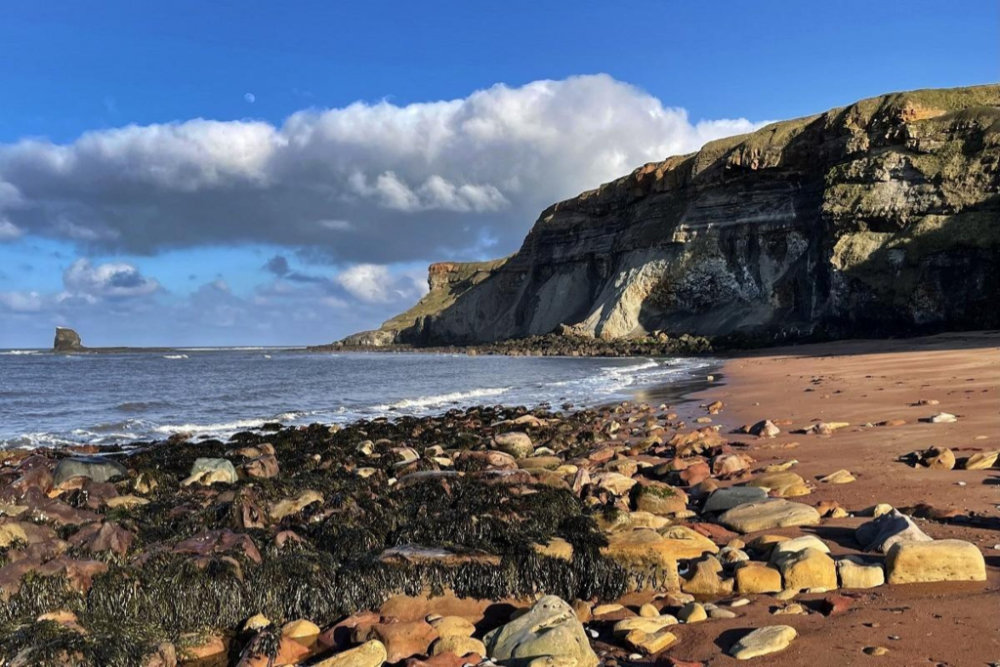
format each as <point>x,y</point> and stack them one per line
<point>692,612</point>
<point>256,622</point>
<point>556,547</point>
<point>725,465</point>
<point>763,641</point>
<point>942,418</point>
<point>290,506</point>
<point>876,650</point>
<point>785,547</point>
<point>210,471</point>
<point>721,500</point>
<point>764,429</point>
<point>127,501</point>
<point>648,611</point>
<point>649,625</point>
<point>981,460</point>
<point>793,609</point>
<point>370,654</point>
<point>515,443</point>
<point>853,572</point>
<point>459,645</point>
<point>825,428</point>
<point>835,604</point>
<point>781,484</point>
<point>645,549</point>
<point>549,628</point>
<point>650,644</point>
<point>888,529</point>
<point>938,458</point>
<point>938,560</point>
<point>404,639</point>
<point>808,569</point>
<point>453,626</point>
<point>613,482</point>
<point>769,514</point>
<point>658,498</point>
<point>264,467</point>
<point>839,477</point>
<point>757,578</point>
<point>300,628</point>
<point>704,578</point>
<point>97,468</point>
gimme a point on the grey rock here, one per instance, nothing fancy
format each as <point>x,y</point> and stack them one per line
<point>884,531</point>
<point>549,629</point>
<point>96,468</point>
<point>725,499</point>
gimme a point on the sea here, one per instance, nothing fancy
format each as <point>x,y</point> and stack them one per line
<point>49,399</point>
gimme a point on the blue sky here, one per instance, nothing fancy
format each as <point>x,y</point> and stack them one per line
<point>358,142</point>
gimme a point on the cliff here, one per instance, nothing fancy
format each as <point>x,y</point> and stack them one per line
<point>882,217</point>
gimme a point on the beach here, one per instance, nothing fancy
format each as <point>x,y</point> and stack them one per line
<point>316,544</point>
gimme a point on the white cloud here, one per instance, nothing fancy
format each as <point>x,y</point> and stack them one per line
<point>22,302</point>
<point>116,280</point>
<point>8,230</point>
<point>416,182</point>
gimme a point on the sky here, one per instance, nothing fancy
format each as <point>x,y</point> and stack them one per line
<point>263,173</point>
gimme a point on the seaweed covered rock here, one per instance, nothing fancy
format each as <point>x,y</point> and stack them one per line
<point>99,469</point>
<point>549,629</point>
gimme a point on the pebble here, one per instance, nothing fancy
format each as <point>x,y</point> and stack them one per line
<point>876,650</point>
<point>739,603</point>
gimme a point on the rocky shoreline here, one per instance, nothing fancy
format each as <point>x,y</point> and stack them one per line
<point>497,535</point>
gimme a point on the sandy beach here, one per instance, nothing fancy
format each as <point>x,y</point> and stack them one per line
<point>864,383</point>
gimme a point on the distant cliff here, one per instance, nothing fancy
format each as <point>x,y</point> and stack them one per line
<point>882,217</point>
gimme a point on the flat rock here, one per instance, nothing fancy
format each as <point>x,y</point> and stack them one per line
<point>768,514</point>
<point>369,654</point>
<point>853,572</point>
<point>725,499</point>
<point>981,460</point>
<point>763,641</point>
<point>550,628</point>
<point>781,483</point>
<point>808,569</point>
<point>938,560</point>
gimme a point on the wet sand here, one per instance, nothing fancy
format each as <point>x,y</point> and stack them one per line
<point>866,382</point>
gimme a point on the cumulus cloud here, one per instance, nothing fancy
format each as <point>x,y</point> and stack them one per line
<point>367,183</point>
<point>114,280</point>
<point>374,283</point>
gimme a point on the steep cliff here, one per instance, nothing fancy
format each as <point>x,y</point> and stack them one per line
<point>882,217</point>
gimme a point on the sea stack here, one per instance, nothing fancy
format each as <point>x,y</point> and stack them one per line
<point>67,340</point>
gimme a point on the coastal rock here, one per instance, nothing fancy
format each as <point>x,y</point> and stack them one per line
<point>888,529</point>
<point>99,469</point>
<point>785,547</point>
<point>549,629</point>
<point>705,578</point>
<point>725,499</point>
<point>839,477</point>
<point>515,443</point>
<point>764,429</point>
<point>854,572</point>
<point>659,498</point>
<point>938,560</point>
<point>981,460</point>
<point>370,654</point>
<point>757,578</point>
<point>763,641</point>
<point>781,483</point>
<point>768,514</point>
<point>404,639</point>
<point>692,612</point>
<point>67,340</point>
<point>808,569</point>
<point>458,645</point>
<point>290,506</point>
<point>208,471</point>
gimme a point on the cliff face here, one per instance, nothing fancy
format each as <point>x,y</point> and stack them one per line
<point>880,217</point>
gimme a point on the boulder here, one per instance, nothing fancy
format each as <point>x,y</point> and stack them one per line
<point>781,483</point>
<point>757,578</point>
<point>458,645</point>
<point>768,514</point>
<point>97,468</point>
<point>763,641</point>
<point>209,471</point>
<point>692,612</point>
<point>515,443</point>
<point>856,573</point>
<point>548,629</point>
<point>888,529</point>
<point>938,560</point>
<point>705,578</point>
<point>785,547</point>
<point>725,499</point>
<point>808,569</point>
<point>658,498</point>
<point>764,429</point>
<point>981,460</point>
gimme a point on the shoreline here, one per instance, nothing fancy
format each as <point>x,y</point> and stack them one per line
<point>348,499</point>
